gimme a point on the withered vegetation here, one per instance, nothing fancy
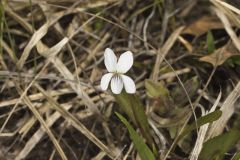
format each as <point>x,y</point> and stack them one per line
<point>186,69</point>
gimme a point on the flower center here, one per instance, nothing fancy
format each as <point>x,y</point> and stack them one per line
<point>116,73</point>
<point>117,76</point>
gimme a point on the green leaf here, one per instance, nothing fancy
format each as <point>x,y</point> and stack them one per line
<point>216,147</point>
<point>210,42</point>
<point>124,101</point>
<point>156,89</point>
<point>160,100</point>
<point>213,116</point>
<point>132,106</point>
<point>143,150</point>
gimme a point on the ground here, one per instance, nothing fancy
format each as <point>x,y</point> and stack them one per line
<point>186,70</point>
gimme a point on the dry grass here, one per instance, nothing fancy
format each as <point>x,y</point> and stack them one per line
<point>51,63</point>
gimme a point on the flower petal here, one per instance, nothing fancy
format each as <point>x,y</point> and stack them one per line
<point>105,81</point>
<point>116,84</point>
<point>125,62</point>
<point>129,84</point>
<point>110,60</point>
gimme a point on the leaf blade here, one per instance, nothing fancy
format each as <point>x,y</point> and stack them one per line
<point>144,152</point>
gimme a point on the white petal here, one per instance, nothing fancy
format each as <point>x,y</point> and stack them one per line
<point>116,84</point>
<point>110,60</point>
<point>125,62</point>
<point>129,84</point>
<point>105,81</point>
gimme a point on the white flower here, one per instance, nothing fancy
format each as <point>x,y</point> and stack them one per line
<point>116,71</point>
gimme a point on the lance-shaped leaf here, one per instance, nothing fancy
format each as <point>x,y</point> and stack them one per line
<point>216,147</point>
<point>144,152</point>
<point>210,42</point>
<point>132,106</point>
<point>209,118</point>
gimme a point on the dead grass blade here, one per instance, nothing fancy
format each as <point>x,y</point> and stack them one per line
<point>173,74</point>
<point>26,100</point>
<point>93,53</point>
<point>53,51</point>
<point>43,123</point>
<point>199,142</point>
<point>164,51</point>
<point>36,114</point>
<point>203,132</point>
<point>227,109</point>
<point>77,124</point>
<point>59,64</point>
<point>37,96</point>
<point>75,86</point>
<point>37,136</point>
<point>228,28</point>
<point>216,103</point>
<point>232,8</point>
<point>228,11</point>
<point>37,36</point>
<point>203,25</point>
<point>19,19</point>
